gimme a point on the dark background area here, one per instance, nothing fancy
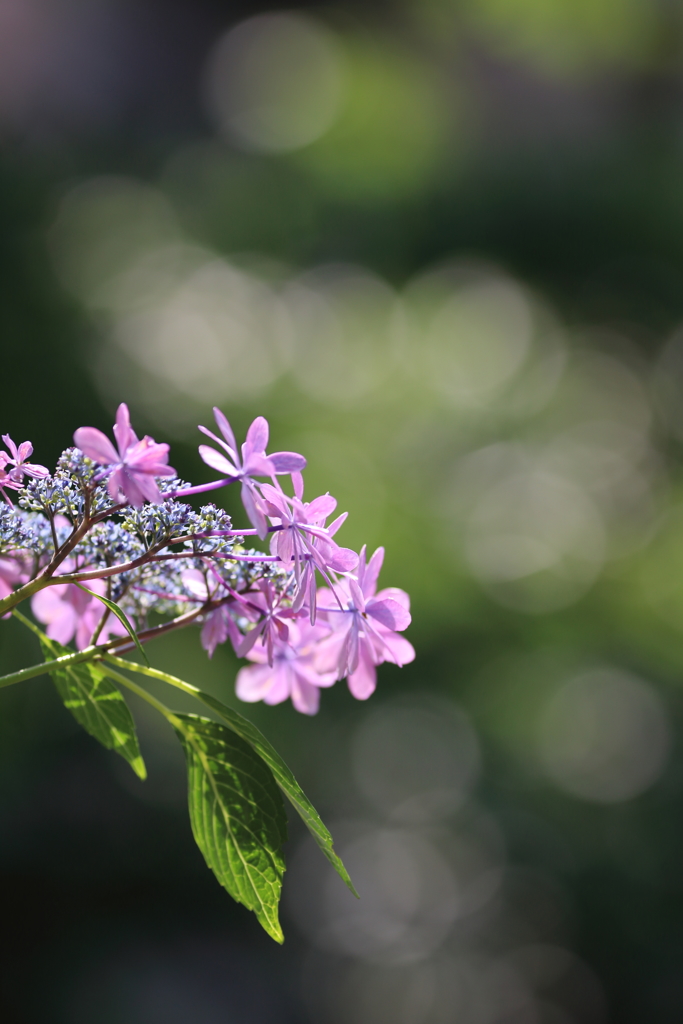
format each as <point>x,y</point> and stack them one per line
<point>555,161</point>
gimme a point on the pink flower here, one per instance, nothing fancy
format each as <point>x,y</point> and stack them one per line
<point>274,625</point>
<point>293,672</point>
<point>364,633</point>
<point>15,477</point>
<point>134,465</point>
<point>68,610</point>
<point>303,541</point>
<point>254,462</point>
<point>11,573</point>
<point>218,623</point>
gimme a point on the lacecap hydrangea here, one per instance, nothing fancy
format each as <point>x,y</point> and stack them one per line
<point>111,552</point>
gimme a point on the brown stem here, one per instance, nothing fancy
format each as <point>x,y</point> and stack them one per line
<point>125,643</point>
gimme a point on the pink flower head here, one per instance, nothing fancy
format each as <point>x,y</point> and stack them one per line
<point>68,610</point>
<point>134,465</point>
<point>293,672</point>
<point>254,462</point>
<point>303,542</point>
<point>274,624</point>
<point>11,573</point>
<point>14,478</point>
<point>365,632</point>
<point>218,623</point>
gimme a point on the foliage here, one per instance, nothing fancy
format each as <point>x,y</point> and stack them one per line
<point>110,517</point>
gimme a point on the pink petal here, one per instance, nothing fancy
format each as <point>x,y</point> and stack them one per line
<point>254,682</point>
<point>249,640</point>
<point>217,461</point>
<point>225,429</point>
<point>277,499</point>
<point>214,631</point>
<point>80,601</point>
<point>149,457</point>
<point>363,681</point>
<point>298,485</point>
<point>257,465</point>
<point>372,572</point>
<point>125,437</point>
<point>115,485</point>
<point>280,691</point>
<point>86,627</point>
<point>287,462</point>
<point>253,510</point>
<point>25,451</point>
<point>320,508</point>
<point>147,486</point>
<point>396,595</point>
<point>282,627</point>
<point>397,648</point>
<point>305,697</point>
<point>63,628</point>
<point>34,469</point>
<point>257,438</point>
<point>335,524</point>
<point>390,613</point>
<point>343,560</point>
<point>128,485</point>
<point>12,447</point>
<point>96,445</point>
<point>315,678</point>
<point>284,545</point>
<point>356,595</point>
<point>49,604</point>
<point>195,583</point>
<point>348,656</point>
<point>221,442</point>
<point>10,571</point>
<point>233,631</point>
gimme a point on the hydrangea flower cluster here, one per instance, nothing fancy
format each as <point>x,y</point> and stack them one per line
<point>110,536</point>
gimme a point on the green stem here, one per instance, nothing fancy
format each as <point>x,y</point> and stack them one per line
<point>17,596</point>
<point>155,673</point>
<point>88,654</point>
<point>134,688</point>
<point>93,652</point>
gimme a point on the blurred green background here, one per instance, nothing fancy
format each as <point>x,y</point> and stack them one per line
<point>439,244</point>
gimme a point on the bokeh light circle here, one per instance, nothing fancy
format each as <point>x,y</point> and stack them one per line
<point>275,82</point>
<point>535,541</point>
<point>604,736</point>
<point>414,761</point>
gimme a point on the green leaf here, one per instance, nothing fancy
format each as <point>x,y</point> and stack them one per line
<point>97,704</point>
<point>282,774</point>
<point>237,815</point>
<point>285,780</point>
<point>121,616</point>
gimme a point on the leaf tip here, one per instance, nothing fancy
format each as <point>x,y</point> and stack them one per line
<point>274,929</point>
